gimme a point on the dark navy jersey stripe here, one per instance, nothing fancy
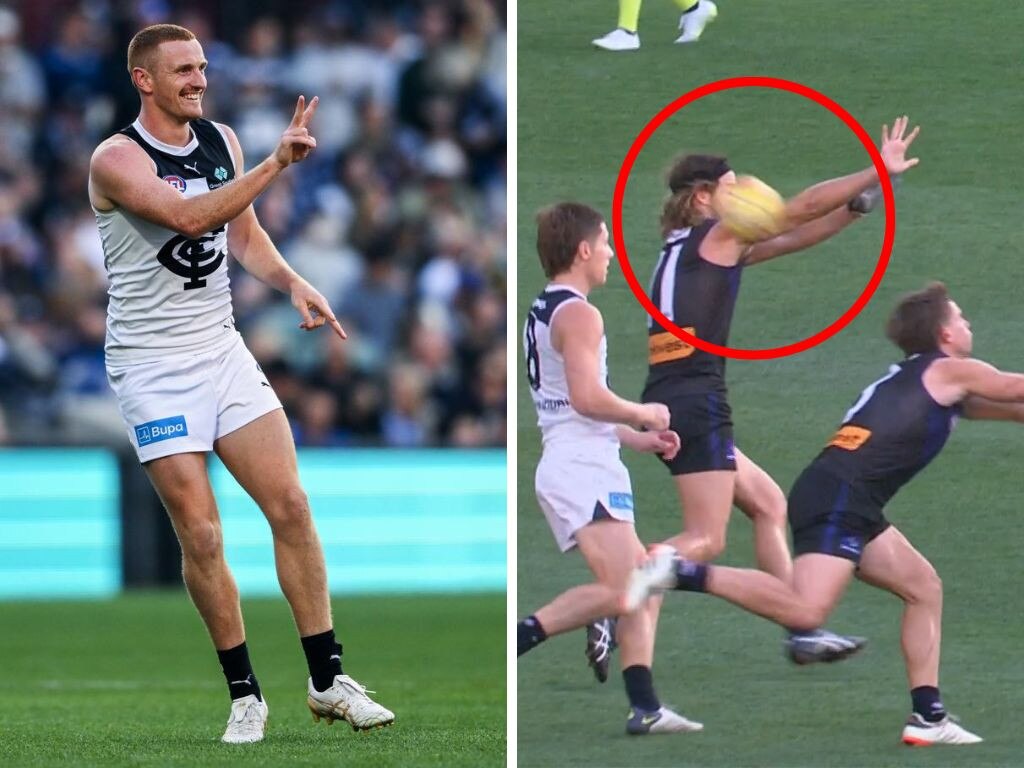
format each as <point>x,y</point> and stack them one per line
<point>894,434</point>
<point>703,299</point>
<point>544,306</point>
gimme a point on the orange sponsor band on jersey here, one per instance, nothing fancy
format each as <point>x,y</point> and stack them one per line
<point>850,438</point>
<point>664,347</point>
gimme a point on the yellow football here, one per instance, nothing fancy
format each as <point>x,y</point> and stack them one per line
<point>751,209</point>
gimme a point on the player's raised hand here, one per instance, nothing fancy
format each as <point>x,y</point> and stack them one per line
<point>654,416</point>
<point>296,142</point>
<point>895,145</point>
<point>315,309</point>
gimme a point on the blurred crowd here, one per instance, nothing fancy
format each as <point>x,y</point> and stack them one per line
<point>398,218</point>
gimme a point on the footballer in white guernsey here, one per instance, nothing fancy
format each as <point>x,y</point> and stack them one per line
<point>582,486</point>
<point>173,204</point>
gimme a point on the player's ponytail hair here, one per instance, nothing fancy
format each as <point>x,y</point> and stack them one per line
<point>680,210</point>
<point>688,175</point>
<point>916,322</point>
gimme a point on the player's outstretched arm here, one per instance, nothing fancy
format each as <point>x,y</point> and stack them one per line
<point>954,380</point>
<point>576,333</point>
<point>983,409</point>
<point>801,238</point>
<point>121,174</point>
<point>818,200</point>
<point>252,247</point>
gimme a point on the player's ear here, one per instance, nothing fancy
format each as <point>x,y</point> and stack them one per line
<point>142,79</point>
<point>583,250</point>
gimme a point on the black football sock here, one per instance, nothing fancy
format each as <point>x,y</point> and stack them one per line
<point>323,657</point>
<point>690,576</point>
<point>928,703</point>
<point>238,672</point>
<point>529,634</point>
<point>640,688</point>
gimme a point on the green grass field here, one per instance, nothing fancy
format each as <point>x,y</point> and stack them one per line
<point>958,220</point>
<point>134,681</point>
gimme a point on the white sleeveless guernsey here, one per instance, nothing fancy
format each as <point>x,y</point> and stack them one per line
<point>169,294</point>
<point>545,367</point>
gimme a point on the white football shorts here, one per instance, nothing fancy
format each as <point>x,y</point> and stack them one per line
<point>182,404</point>
<point>580,485</point>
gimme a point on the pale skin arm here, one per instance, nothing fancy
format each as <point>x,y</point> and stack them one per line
<point>982,409</point>
<point>665,443</point>
<point>818,200</point>
<point>723,247</point>
<point>952,380</point>
<point>576,332</point>
<point>121,175</point>
<point>802,237</point>
<point>252,247</point>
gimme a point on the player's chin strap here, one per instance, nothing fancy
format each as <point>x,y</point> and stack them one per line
<point>868,200</point>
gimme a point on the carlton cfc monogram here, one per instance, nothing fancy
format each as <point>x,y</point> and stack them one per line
<point>191,258</point>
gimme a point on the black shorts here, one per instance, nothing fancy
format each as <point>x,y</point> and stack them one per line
<point>704,424</point>
<point>829,516</point>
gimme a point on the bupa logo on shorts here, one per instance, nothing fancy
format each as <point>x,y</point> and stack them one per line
<point>176,181</point>
<point>850,544</point>
<point>620,500</point>
<point>161,429</point>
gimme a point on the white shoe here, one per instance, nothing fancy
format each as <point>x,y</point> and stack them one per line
<point>657,574</point>
<point>248,721</point>
<point>619,40</point>
<point>693,22</point>
<point>918,732</point>
<point>347,700</point>
<point>664,720</point>
<point>821,645</point>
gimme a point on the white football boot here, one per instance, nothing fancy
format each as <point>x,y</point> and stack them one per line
<point>248,721</point>
<point>347,700</point>
<point>918,732</point>
<point>619,40</point>
<point>692,23</point>
<point>664,720</point>
<point>655,575</point>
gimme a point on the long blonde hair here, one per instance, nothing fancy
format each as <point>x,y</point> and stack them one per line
<point>688,175</point>
<point>680,208</point>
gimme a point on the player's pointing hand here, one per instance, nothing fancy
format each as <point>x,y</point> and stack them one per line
<point>315,309</point>
<point>296,142</point>
<point>895,145</point>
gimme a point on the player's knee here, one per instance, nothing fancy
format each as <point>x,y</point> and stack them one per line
<point>775,508</point>
<point>710,545</point>
<point>289,511</point>
<point>201,540</point>
<point>926,587</point>
<point>771,508</point>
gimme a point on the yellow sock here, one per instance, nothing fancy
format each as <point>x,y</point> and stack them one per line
<point>686,5</point>
<point>629,14</point>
